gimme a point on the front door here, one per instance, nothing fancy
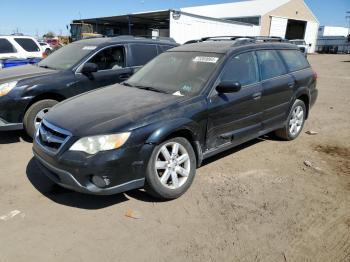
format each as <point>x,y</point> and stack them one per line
<point>111,69</point>
<point>235,117</point>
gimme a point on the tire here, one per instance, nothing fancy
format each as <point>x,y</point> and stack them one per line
<point>48,51</point>
<point>170,188</point>
<point>31,116</point>
<point>287,133</point>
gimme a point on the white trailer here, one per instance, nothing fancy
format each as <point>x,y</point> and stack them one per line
<point>333,31</point>
<point>185,26</point>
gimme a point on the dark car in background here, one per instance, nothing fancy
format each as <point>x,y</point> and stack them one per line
<point>186,105</point>
<point>28,92</point>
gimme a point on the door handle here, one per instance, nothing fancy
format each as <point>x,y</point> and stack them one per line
<point>257,96</point>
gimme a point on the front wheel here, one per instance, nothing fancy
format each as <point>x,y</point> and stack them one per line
<point>171,169</point>
<point>35,115</point>
<point>295,122</point>
<point>48,51</point>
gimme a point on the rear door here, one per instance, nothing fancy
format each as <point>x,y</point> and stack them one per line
<point>277,88</point>
<point>30,47</point>
<point>235,117</point>
<point>299,68</point>
<point>7,50</point>
<point>112,69</point>
<point>141,53</point>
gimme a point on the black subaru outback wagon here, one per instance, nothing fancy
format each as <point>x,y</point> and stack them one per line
<point>186,105</point>
<point>28,92</point>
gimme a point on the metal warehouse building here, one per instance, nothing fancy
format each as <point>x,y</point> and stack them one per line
<point>179,25</point>
<point>290,19</point>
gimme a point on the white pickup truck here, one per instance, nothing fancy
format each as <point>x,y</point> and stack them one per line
<point>303,46</point>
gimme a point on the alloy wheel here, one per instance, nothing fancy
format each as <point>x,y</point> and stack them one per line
<point>172,165</point>
<point>296,121</point>
<point>39,117</point>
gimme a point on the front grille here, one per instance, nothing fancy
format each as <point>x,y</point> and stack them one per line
<point>52,138</point>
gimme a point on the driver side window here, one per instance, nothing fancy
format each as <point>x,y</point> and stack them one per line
<point>242,68</point>
<point>109,59</point>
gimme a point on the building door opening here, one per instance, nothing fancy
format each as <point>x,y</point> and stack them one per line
<point>295,29</point>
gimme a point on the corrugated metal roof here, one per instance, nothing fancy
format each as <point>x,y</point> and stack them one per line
<point>237,9</point>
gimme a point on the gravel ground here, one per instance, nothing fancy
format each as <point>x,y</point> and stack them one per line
<point>257,202</point>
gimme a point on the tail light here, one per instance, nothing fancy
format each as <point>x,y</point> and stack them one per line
<point>315,76</point>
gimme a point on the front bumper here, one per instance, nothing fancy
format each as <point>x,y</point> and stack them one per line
<point>12,110</point>
<point>67,180</point>
<point>124,168</point>
<point>5,126</point>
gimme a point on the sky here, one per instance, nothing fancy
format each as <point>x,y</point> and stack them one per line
<point>37,17</point>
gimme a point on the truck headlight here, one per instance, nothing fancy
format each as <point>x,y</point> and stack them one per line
<point>94,144</point>
<point>7,87</point>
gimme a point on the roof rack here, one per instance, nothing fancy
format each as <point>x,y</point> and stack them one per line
<point>239,39</point>
<point>270,39</point>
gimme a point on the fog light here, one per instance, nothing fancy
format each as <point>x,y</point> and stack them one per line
<point>100,181</point>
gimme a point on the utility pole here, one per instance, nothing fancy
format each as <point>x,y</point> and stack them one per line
<point>348,18</point>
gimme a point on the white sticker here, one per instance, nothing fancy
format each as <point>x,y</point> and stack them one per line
<point>177,93</point>
<point>90,47</point>
<point>206,59</point>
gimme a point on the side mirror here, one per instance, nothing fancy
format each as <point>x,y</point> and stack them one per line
<point>228,87</point>
<point>89,68</point>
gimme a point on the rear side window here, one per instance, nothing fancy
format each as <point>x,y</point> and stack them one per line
<point>28,44</point>
<point>143,53</point>
<point>270,64</point>
<point>294,59</point>
<point>242,68</point>
<point>6,47</point>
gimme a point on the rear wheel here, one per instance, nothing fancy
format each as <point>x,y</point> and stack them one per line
<point>171,169</point>
<point>35,115</point>
<point>295,122</point>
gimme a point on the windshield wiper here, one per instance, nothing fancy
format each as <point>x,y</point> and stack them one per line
<point>150,89</point>
<point>47,67</point>
<point>127,84</point>
<point>144,87</point>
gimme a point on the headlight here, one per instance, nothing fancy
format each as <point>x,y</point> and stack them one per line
<point>95,144</point>
<point>7,87</point>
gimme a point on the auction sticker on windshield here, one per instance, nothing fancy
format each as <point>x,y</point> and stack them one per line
<point>90,47</point>
<point>205,59</point>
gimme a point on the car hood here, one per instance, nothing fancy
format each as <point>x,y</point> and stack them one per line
<point>23,72</point>
<point>111,109</point>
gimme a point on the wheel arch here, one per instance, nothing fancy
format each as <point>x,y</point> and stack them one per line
<point>306,99</point>
<point>185,128</point>
<point>302,94</point>
<point>53,96</point>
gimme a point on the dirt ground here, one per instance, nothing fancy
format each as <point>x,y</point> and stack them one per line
<point>258,202</point>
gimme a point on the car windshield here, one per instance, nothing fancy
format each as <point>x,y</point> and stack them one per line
<point>177,73</point>
<point>67,56</point>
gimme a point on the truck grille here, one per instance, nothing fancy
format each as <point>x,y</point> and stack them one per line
<point>52,138</point>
